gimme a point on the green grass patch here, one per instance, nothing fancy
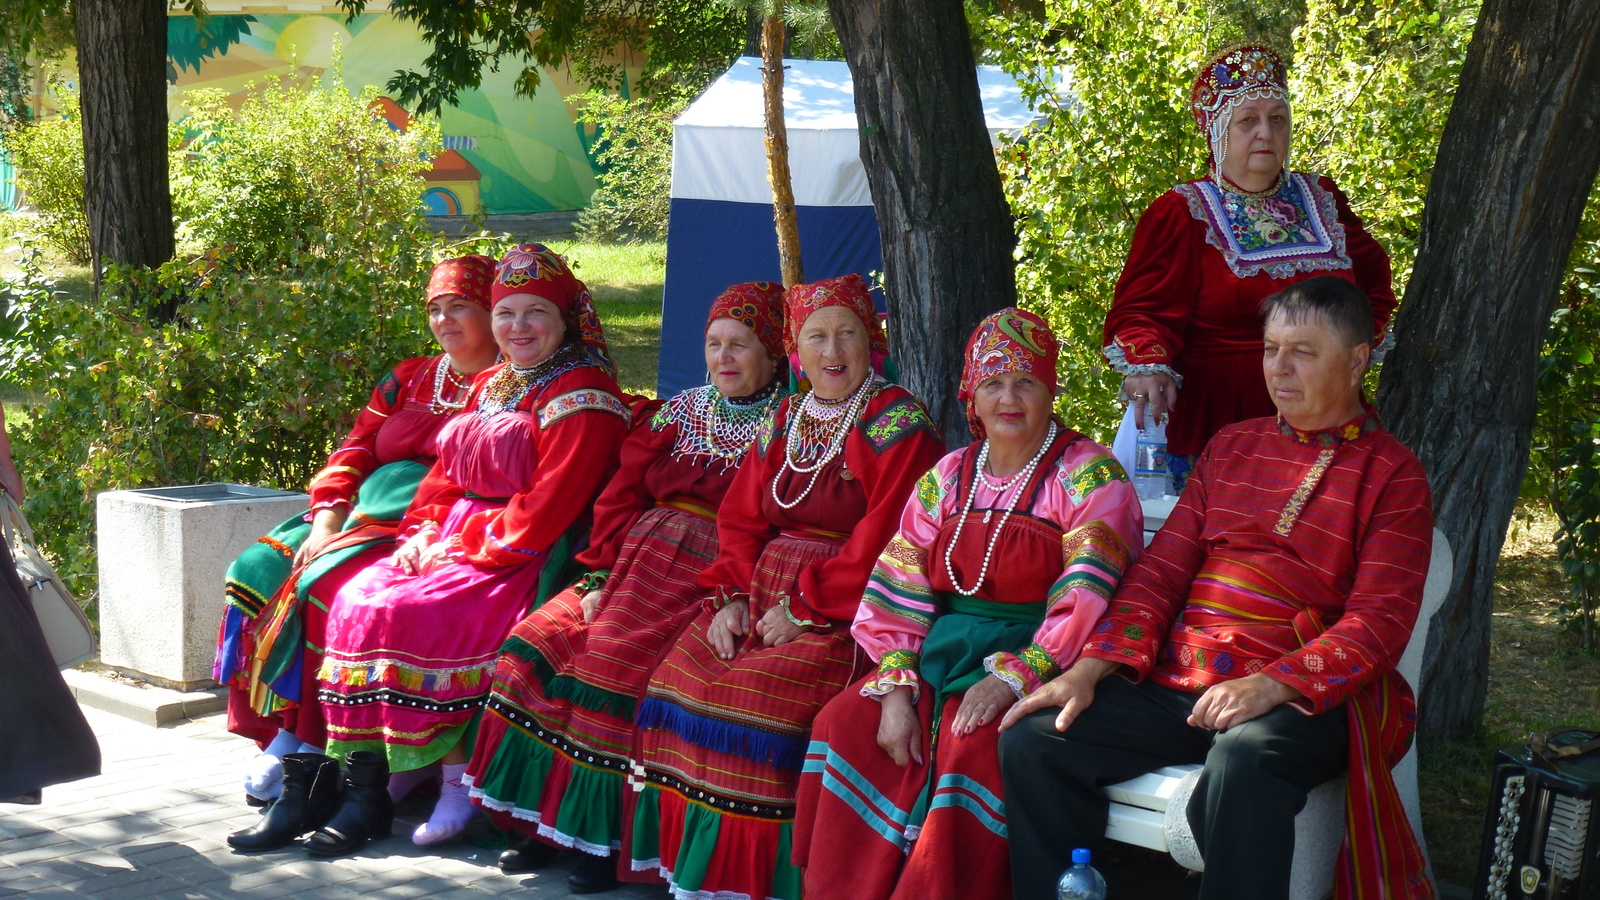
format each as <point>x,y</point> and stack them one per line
<point>626,281</point>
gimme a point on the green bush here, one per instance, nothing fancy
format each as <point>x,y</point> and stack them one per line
<point>255,380</point>
<point>48,154</point>
<point>296,169</point>
<point>634,151</point>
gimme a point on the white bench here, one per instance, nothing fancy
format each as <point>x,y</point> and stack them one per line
<point>1151,810</point>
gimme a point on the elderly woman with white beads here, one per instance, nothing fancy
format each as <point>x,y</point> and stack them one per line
<point>724,723</point>
<point>1006,555</point>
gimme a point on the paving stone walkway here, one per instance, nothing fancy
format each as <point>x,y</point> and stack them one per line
<point>155,825</point>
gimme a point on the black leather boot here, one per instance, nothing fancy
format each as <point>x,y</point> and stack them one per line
<point>527,854</point>
<point>366,813</point>
<point>593,875</point>
<point>310,795</point>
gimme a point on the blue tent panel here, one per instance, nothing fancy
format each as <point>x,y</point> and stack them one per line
<point>714,243</point>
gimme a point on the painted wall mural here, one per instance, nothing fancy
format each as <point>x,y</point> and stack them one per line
<point>503,153</point>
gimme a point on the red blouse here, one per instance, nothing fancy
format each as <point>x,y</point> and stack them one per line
<point>398,423</point>
<point>579,423</point>
<point>859,496</point>
<point>1190,294</point>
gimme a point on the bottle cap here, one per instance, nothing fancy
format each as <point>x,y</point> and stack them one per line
<point>1080,856</point>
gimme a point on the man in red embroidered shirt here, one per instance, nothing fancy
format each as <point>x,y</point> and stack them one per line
<point>1258,635</point>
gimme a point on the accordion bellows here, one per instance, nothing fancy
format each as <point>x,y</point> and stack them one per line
<point>1542,836</point>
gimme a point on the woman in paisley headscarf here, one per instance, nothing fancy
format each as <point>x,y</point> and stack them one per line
<point>278,590</point>
<point>1007,552</point>
<point>551,757</point>
<point>412,640</point>
<point>1186,315</point>
<point>724,722</point>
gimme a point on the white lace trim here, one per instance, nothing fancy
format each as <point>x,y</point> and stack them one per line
<point>1119,364</point>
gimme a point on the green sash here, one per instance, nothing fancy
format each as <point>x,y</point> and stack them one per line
<point>967,631</point>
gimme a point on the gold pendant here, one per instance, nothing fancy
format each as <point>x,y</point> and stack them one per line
<point>846,474</point>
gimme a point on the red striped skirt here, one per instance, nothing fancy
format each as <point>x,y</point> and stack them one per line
<point>721,742</point>
<point>553,745</point>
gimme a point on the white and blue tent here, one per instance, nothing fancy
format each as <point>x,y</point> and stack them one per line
<point>720,231</point>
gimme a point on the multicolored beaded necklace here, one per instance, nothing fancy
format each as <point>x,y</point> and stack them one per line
<point>506,388</point>
<point>812,444</point>
<point>721,427</point>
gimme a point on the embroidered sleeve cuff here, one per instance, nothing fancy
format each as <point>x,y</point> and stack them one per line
<point>898,667</point>
<point>1119,363</point>
<point>593,581</point>
<point>1025,672</point>
<point>722,596</point>
<point>796,611</point>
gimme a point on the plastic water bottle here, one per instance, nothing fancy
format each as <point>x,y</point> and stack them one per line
<point>1151,480</point>
<point>1082,881</point>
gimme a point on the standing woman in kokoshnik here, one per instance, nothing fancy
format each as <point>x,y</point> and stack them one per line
<point>1185,324</point>
<point>552,751</point>
<point>411,640</point>
<point>279,589</point>
<point>1007,553</point>
<point>724,723</point>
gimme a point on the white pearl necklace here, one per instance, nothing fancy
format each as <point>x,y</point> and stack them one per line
<point>857,403</point>
<point>1021,479</point>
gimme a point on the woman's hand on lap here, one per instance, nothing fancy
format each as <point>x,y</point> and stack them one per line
<point>435,555</point>
<point>775,629</point>
<point>591,605</point>
<point>325,524</point>
<point>407,558</point>
<point>983,703</point>
<point>899,729</point>
<point>729,624</point>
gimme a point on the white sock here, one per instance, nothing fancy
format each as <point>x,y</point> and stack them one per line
<point>451,814</point>
<point>263,776</point>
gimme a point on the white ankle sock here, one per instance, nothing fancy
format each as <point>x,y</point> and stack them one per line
<point>451,814</point>
<point>263,776</point>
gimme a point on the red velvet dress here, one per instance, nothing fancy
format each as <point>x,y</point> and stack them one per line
<point>553,746</point>
<point>721,742</point>
<point>1202,260</point>
<point>400,423</point>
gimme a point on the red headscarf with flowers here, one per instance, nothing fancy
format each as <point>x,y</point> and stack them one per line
<point>1248,71</point>
<point>536,269</point>
<point>1011,340</point>
<point>758,306</point>
<point>464,276</point>
<point>848,291</point>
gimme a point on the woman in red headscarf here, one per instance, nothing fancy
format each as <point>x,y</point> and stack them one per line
<point>412,640</point>
<point>724,723</point>
<point>1007,552</point>
<point>552,750</point>
<point>267,644</point>
<point>1186,316</point>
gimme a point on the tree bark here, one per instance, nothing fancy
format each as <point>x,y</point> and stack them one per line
<point>1515,165</point>
<point>947,233</point>
<point>122,68</point>
<point>783,215</point>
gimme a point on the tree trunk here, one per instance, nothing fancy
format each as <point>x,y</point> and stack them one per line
<point>947,233</point>
<point>1516,162</point>
<point>783,215</point>
<point>122,68</point>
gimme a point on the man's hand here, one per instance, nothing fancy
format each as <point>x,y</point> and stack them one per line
<point>591,605</point>
<point>981,704</point>
<point>899,729</point>
<point>775,629</point>
<point>730,622</point>
<point>1072,690</point>
<point>1236,702</point>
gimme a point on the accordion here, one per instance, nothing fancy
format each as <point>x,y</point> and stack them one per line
<point>1542,836</point>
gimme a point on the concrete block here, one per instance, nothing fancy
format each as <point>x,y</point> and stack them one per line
<point>163,554</point>
<point>147,704</point>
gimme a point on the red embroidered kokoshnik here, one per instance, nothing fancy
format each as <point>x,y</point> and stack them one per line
<point>1302,556</point>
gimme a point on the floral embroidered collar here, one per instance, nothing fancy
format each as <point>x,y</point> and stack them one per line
<point>1364,424</point>
<point>1292,228</point>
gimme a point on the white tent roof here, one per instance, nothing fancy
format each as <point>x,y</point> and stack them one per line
<point>719,143</point>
